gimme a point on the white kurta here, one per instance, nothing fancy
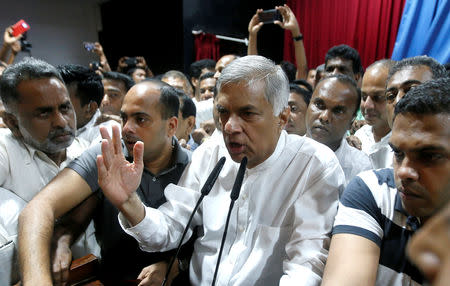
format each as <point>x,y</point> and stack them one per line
<point>380,153</point>
<point>24,171</point>
<point>280,226</point>
<point>352,160</point>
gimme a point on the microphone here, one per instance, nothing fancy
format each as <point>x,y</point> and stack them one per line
<point>204,192</point>
<point>234,196</point>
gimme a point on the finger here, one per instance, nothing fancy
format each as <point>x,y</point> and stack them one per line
<point>117,143</point>
<point>56,273</point>
<point>104,132</point>
<point>145,282</point>
<point>278,23</point>
<point>107,154</point>
<point>138,153</point>
<point>143,274</point>
<point>64,272</point>
<point>102,172</point>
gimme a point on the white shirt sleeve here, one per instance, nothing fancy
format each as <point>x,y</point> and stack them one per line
<point>307,249</point>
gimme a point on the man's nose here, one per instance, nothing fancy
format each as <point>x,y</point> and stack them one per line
<point>406,170</point>
<point>324,116</point>
<point>233,125</point>
<point>59,120</point>
<point>369,104</point>
<point>105,101</point>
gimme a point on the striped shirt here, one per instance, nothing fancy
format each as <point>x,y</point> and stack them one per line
<point>371,207</point>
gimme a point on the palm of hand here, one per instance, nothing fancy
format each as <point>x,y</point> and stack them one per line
<point>121,179</point>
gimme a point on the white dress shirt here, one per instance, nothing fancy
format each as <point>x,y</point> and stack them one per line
<point>380,153</point>
<point>204,111</point>
<point>280,225</point>
<point>24,171</point>
<point>352,160</point>
<point>91,132</point>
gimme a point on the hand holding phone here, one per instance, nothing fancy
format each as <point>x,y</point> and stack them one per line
<point>89,46</point>
<point>19,28</point>
<point>269,16</point>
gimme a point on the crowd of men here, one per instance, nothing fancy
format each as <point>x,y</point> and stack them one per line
<point>346,182</point>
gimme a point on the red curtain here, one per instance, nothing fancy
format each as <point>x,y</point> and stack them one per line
<point>206,47</point>
<point>369,26</point>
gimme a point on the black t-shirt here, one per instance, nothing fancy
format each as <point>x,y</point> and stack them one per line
<point>121,257</point>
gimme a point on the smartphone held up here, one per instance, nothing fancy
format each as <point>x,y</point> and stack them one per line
<point>19,28</point>
<point>269,16</point>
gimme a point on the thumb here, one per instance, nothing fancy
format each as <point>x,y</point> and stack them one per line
<point>138,154</point>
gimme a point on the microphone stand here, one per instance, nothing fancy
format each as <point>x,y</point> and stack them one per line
<point>234,195</point>
<point>204,192</point>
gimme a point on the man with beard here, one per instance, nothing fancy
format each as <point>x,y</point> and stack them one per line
<point>149,114</point>
<point>381,209</point>
<point>40,140</point>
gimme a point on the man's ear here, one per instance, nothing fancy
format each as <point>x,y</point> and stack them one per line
<point>283,117</point>
<point>172,124</point>
<point>12,123</point>
<point>194,82</point>
<point>190,124</point>
<point>91,109</point>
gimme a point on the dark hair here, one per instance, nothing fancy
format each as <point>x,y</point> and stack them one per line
<point>432,97</point>
<point>301,91</point>
<point>169,102</point>
<point>303,83</point>
<point>205,76</point>
<point>437,70</point>
<point>348,53</point>
<point>133,69</point>
<point>290,70</point>
<point>195,69</point>
<point>127,80</point>
<point>350,82</point>
<point>447,68</point>
<point>187,107</point>
<point>27,69</point>
<point>89,83</point>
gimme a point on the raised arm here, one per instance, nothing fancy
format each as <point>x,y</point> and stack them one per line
<point>36,223</point>
<point>290,23</point>
<point>8,41</point>
<point>352,260</point>
<point>98,49</point>
<point>253,28</point>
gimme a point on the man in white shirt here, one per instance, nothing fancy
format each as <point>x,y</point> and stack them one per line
<point>375,134</point>
<point>279,228</point>
<point>40,140</point>
<point>330,113</point>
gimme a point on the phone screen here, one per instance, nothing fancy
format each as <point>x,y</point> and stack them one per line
<point>89,46</point>
<point>269,16</point>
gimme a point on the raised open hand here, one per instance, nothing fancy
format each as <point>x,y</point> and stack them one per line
<point>117,177</point>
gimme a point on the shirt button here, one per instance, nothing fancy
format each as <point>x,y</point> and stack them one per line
<point>241,229</point>
<point>154,179</point>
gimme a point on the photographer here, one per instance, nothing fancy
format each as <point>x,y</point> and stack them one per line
<point>289,22</point>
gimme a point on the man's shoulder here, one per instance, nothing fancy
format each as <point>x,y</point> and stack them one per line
<point>306,147</point>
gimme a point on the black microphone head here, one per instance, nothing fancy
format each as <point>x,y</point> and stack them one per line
<point>213,177</point>
<point>239,178</point>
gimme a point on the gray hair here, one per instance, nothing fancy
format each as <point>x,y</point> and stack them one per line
<point>27,69</point>
<point>253,69</point>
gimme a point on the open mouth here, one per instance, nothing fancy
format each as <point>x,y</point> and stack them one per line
<point>235,148</point>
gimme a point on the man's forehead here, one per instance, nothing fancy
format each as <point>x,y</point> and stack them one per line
<point>411,131</point>
<point>338,61</point>
<point>41,91</point>
<point>113,84</point>
<point>419,73</point>
<point>242,93</point>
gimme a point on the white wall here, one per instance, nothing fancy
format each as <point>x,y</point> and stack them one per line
<point>58,27</point>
